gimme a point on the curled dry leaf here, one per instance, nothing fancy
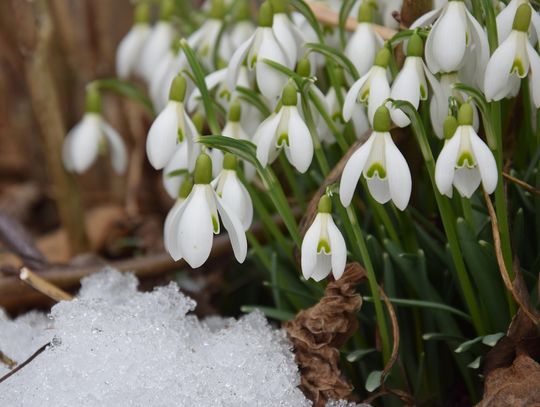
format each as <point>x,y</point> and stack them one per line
<point>319,331</point>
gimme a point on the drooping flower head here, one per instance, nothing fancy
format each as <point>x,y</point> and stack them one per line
<point>285,130</point>
<point>465,159</point>
<point>323,248</point>
<point>387,174</point>
<point>262,45</point>
<point>128,55</point>
<point>287,34</point>
<point>513,60</point>
<point>190,230</point>
<point>93,136</point>
<point>170,128</point>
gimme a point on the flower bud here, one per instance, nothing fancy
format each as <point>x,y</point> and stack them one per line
<point>465,115</point>
<point>178,89</point>
<point>203,169</point>
<point>415,48</point>
<point>289,96</point>
<point>450,126</point>
<point>325,204</point>
<point>198,121</point>
<point>142,14</point>
<point>365,12</point>
<point>382,58</point>
<point>304,67</point>
<point>217,10</point>
<point>381,120</point>
<point>242,11</point>
<point>235,111</point>
<point>522,20</point>
<point>185,188</point>
<point>279,6</point>
<point>229,162</point>
<point>266,15</point>
<point>166,10</point>
<point>93,99</point>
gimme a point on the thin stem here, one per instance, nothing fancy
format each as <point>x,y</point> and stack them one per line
<point>319,154</point>
<point>373,285</point>
<point>299,196</point>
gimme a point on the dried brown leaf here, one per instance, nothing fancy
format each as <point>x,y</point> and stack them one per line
<point>319,331</point>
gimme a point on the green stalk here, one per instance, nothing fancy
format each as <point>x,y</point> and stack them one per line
<point>448,218</point>
<point>299,196</point>
<point>373,285</point>
<point>319,154</point>
<point>343,145</point>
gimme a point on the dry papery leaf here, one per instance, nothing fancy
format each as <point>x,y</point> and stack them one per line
<point>319,331</point>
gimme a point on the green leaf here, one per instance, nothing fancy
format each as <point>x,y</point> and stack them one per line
<point>177,173</point>
<point>335,55</point>
<point>373,381</point>
<point>344,13</point>
<point>436,336</point>
<point>126,89</point>
<point>273,313</point>
<point>199,77</point>
<point>359,354</point>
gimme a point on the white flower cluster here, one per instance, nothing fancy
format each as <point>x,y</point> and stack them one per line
<point>444,47</point>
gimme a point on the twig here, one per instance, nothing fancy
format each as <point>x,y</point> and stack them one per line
<point>500,260</point>
<point>522,184</point>
<point>6,360</point>
<point>23,364</point>
<point>329,17</point>
<point>43,286</point>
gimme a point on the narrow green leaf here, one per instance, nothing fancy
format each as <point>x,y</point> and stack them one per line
<point>177,173</point>
<point>344,13</point>
<point>254,99</point>
<point>335,55</point>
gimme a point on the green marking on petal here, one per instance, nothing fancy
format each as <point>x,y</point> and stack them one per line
<point>282,140</point>
<point>423,92</point>
<point>323,246</point>
<point>180,135</point>
<point>376,168</point>
<point>225,94</point>
<point>518,68</point>
<point>466,159</point>
<point>215,224</point>
<point>253,62</point>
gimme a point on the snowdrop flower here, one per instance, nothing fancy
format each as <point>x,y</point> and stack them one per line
<point>411,83</point>
<point>158,42</point>
<point>505,20</point>
<point>262,45</point>
<point>465,160</point>
<point>171,127</point>
<point>182,192</point>
<point>455,38</point>
<point>206,38</point>
<point>286,32</point>
<point>233,193</point>
<point>190,230</point>
<point>177,169</point>
<point>382,164</point>
<point>323,248</point>
<point>439,103</point>
<point>129,49</point>
<point>514,59</point>
<point>371,89</point>
<point>243,28</point>
<point>389,7</point>
<point>285,129</point>
<point>93,136</point>
<point>365,42</point>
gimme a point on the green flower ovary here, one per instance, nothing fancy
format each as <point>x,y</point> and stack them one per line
<point>466,159</point>
<point>323,246</point>
<point>376,168</point>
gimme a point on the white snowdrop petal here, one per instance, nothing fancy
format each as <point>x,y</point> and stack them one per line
<point>487,165</point>
<point>406,87</point>
<point>170,229</point>
<point>379,189</point>
<point>162,137</point>
<point>362,47</point>
<point>233,70</point>
<point>308,258</point>
<point>265,138</point>
<point>129,49</point>
<point>449,38</point>
<point>360,120</point>
<point>85,141</point>
<point>234,228</point>
<point>352,171</point>
<point>398,174</point>
<point>269,80</point>
<point>352,96</point>
<point>339,249</point>
<point>117,149</point>
<point>195,228</point>
<point>232,195</point>
<point>211,80</point>
<point>466,181</point>
<point>534,75</point>
<point>285,38</point>
<point>322,268</point>
<point>156,46</point>
<point>498,70</point>
<point>446,163</point>
<point>300,142</point>
<point>378,93</point>
<point>505,20</point>
<point>426,19</point>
